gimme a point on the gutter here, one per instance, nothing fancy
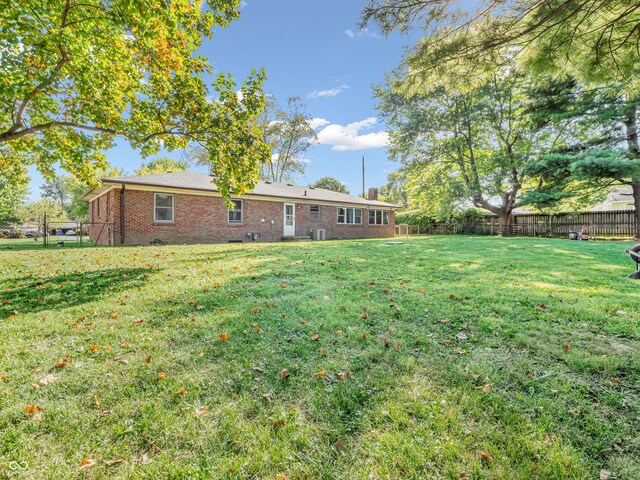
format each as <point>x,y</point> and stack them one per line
<point>122,215</point>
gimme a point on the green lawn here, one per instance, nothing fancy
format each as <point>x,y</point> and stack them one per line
<point>443,357</point>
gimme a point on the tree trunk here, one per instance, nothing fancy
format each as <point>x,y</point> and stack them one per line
<point>635,188</point>
<point>634,148</point>
<point>506,222</point>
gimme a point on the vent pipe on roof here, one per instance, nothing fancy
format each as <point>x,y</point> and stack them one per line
<point>305,193</point>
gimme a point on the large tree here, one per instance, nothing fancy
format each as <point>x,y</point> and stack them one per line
<point>76,74</point>
<point>463,148</point>
<point>595,40</point>
<point>56,189</point>
<point>330,183</point>
<point>289,134</point>
<point>36,211</point>
<point>602,151</point>
<point>11,197</point>
<point>162,165</point>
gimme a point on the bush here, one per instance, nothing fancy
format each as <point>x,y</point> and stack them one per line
<point>464,221</point>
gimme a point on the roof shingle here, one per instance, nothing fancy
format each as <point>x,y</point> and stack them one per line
<point>203,182</point>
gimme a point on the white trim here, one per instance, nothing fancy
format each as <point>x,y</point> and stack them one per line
<point>375,223</point>
<point>289,230</point>
<point>346,215</point>
<point>235,222</point>
<point>173,208</point>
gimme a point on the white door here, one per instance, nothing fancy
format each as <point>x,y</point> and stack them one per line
<point>289,219</point>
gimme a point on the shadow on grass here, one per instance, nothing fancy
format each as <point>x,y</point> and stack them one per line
<point>30,244</point>
<point>28,295</point>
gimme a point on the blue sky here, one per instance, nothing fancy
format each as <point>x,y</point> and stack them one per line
<point>315,50</point>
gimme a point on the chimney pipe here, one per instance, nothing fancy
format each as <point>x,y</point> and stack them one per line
<point>373,194</point>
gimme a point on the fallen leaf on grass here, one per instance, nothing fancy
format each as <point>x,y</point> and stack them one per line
<point>161,375</point>
<point>60,364</point>
<point>47,379</point>
<point>113,463</point>
<point>4,378</point>
<point>257,369</point>
<point>323,351</point>
<point>281,476</point>
<point>279,423</point>
<point>321,373</point>
<point>138,321</point>
<point>340,375</point>
<point>33,408</point>
<point>182,392</point>
<point>315,336</point>
<point>224,336</point>
<point>87,463</point>
<point>296,367</point>
<point>201,410</point>
<point>93,348</point>
<point>268,397</point>
<point>567,347</point>
<point>105,413</point>
<point>148,359</point>
<point>339,446</point>
<point>284,374</point>
<point>486,457</point>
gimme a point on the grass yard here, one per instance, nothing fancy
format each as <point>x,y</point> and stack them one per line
<point>443,357</point>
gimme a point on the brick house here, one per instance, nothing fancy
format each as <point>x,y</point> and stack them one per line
<point>185,207</point>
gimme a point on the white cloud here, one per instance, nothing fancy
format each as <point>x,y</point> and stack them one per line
<point>328,93</point>
<point>348,137</point>
<point>306,161</point>
<point>363,32</point>
<point>318,122</point>
<point>242,5</point>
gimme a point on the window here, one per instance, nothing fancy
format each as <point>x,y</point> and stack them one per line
<point>235,215</point>
<point>350,216</point>
<point>163,207</point>
<point>378,217</point>
<point>314,212</point>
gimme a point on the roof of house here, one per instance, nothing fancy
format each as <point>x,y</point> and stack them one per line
<point>619,195</point>
<point>204,182</point>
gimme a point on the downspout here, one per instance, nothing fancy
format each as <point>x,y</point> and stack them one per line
<point>122,215</point>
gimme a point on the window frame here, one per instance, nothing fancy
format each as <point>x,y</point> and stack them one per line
<point>229,212</point>
<point>355,213</point>
<point>314,215</point>
<point>155,208</point>
<point>379,217</point>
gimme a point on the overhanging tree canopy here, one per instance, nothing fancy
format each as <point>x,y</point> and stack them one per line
<point>76,74</point>
<point>594,40</point>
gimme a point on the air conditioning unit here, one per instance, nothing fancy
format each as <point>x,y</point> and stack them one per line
<point>321,234</point>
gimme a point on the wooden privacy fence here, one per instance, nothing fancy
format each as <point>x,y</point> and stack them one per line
<point>613,223</point>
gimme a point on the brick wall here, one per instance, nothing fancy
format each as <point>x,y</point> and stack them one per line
<point>204,219</point>
<point>101,214</point>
